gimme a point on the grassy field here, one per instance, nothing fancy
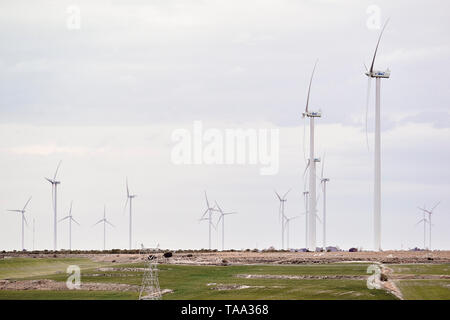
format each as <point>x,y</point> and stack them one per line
<point>203,282</point>
<point>425,289</point>
<point>25,267</point>
<point>421,269</point>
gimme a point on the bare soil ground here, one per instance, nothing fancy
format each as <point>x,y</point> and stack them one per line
<point>241,257</point>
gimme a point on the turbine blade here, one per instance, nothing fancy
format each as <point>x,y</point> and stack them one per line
<point>207,202</point>
<point>57,168</point>
<point>206,211</point>
<point>309,88</point>
<point>284,197</point>
<point>98,222</point>
<point>318,218</point>
<point>128,190</point>
<point>74,221</point>
<point>63,218</point>
<point>26,203</point>
<point>376,48</point>
<point>279,197</point>
<point>125,206</point>
<point>435,206</point>
<point>70,210</point>
<point>218,207</point>
<point>15,210</point>
<point>25,219</point>
<point>109,223</point>
<point>306,169</point>
<point>49,180</point>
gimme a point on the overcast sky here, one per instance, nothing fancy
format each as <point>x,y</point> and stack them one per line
<point>105,96</point>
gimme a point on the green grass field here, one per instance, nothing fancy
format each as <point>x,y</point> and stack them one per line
<point>201,282</point>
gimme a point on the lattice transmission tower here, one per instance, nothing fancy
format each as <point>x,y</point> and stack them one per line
<point>150,289</point>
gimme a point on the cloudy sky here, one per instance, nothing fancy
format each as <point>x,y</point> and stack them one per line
<point>103,85</point>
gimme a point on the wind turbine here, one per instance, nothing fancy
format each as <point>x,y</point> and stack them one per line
<point>24,220</point>
<point>281,214</point>
<point>378,75</point>
<point>430,212</point>
<point>130,198</point>
<point>312,170</point>
<point>222,217</point>
<point>424,220</point>
<point>70,224</point>
<point>288,220</point>
<point>324,181</point>
<point>105,221</point>
<point>55,183</point>
<point>209,210</point>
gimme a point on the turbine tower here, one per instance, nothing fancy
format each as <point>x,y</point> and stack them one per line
<point>105,221</point>
<point>324,181</point>
<point>55,183</point>
<point>281,214</point>
<point>24,221</point>
<point>222,217</point>
<point>70,224</point>
<point>305,198</point>
<point>209,211</point>
<point>312,170</point>
<point>430,212</point>
<point>378,75</point>
<point>129,198</point>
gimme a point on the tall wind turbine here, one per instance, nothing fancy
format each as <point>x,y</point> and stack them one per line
<point>24,221</point>
<point>209,211</point>
<point>430,212</point>
<point>312,170</point>
<point>105,221</point>
<point>55,183</point>
<point>70,224</point>
<point>129,198</point>
<point>288,220</point>
<point>425,221</point>
<point>378,75</point>
<point>281,214</point>
<point>222,217</point>
<point>324,181</point>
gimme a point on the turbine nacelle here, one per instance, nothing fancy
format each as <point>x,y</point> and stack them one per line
<point>312,114</point>
<point>379,74</point>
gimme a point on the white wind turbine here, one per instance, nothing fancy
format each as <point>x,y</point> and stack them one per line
<point>55,183</point>
<point>377,154</point>
<point>288,220</point>
<point>70,224</point>
<point>105,221</point>
<point>312,171</point>
<point>425,221</point>
<point>24,221</point>
<point>209,211</point>
<point>324,181</point>
<point>129,198</point>
<point>430,212</point>
<point>281,214</point>
<point>222,217</point>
